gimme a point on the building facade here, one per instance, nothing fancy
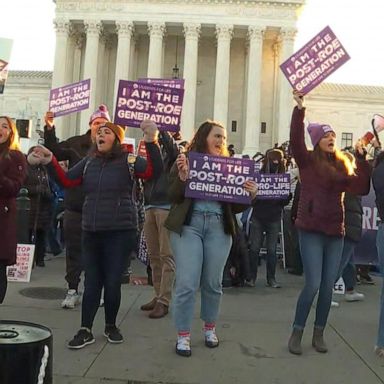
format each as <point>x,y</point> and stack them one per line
<point>228,52</point>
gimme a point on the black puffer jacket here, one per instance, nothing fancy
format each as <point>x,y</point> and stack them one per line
<point>74,149</point>
<point>108,187</point>
<point>156,189</point>
<point>41,196</point>
<point>353,217</point>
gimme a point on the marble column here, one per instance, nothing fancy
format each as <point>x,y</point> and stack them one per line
<point>124,30</point>
<point>192,33</point>
<point>63,29</point>
<point>285,104</point>
<point>253,98</point>
<point>79,39</point>
<point>93,29</point>
<point>224,35</point>
<point>156,33</point>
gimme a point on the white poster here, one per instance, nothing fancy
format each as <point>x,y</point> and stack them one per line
<point>21,271</point>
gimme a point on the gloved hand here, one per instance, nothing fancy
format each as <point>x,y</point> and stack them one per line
<point>150,131</point>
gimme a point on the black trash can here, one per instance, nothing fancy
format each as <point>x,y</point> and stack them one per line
<point>25,353</point>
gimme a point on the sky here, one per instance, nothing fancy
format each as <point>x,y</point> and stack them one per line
<point>357,24</point>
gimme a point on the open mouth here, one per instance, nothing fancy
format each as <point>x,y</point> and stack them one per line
<point>101,141</point>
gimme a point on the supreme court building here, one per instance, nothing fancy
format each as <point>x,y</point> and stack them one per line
<point>228,52</point>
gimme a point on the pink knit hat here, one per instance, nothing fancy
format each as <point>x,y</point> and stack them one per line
<point>102,111</point>
<point>317,131</point>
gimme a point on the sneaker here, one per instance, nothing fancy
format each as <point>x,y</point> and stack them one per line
<point>354,296</point>
<point>379,351</point>
<point>210,338</point>
<point>250,283</point>
<point>71,299</point>
<point>335,304</point>
<point>183,346</point>
<point>113,334</point>
<point>366,279</point>
<point>272,283</point>
<point>81,339</point>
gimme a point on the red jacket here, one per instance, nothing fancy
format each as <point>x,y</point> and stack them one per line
<point>321,207</point>
<point>12,175</point>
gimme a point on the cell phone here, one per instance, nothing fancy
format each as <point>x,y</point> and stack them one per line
<point>367,138</point>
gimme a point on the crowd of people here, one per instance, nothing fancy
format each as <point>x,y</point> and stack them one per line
<point>114,201</point>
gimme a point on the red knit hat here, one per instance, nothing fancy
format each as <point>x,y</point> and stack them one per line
<point>102,111</point>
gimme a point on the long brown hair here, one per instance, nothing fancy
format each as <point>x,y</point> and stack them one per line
<point>13,140</point>
<point>332,164</point>
<point>199,141</point>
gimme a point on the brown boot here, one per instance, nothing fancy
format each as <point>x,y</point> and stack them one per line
<point>159,311</point>
<point>294,343</point>
<point>318,341</point>
<point>149,306</point>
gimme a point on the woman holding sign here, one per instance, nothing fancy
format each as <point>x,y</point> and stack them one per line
<point>13,168</point>
<point>201,238</point>
<point>109,219</point>
<point>326,173</point>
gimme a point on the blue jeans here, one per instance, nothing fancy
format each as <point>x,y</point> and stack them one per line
<point>256,237</point>
<point>321,255</point>
<point>347,268</point>
<point>105,254</point>
<point>200,253</point>
<point>380,251</point>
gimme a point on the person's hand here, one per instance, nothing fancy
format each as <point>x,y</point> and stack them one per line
<point>251,187</point>
<point>182,166</point>
<point>48,118</point>
<point>44,153</point>
<point>150,131</point>
<point>375,143</point>
<point>359,148</point>
<point>299,98</point>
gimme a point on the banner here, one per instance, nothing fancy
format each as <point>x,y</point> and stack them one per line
<point>219,178</point>
<point>5,55</point>
<point>273,186</point>
<point>172,83</point>
<point>139,101</point>
<point>70,99</point>
<point>21,271</point>
<point>365,252</point>
<point>314,62</point>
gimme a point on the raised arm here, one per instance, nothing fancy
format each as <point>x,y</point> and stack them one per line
<point>297,140</point>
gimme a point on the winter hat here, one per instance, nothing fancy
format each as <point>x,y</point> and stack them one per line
<point>275,154</point>
<point>102,111</point>
<point>118,130</point>
<point>317,131</point>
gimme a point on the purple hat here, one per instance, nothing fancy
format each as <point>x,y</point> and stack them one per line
<point>102,111</point>
<point>317,131</point>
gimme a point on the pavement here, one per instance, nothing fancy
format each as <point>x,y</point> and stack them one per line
<point>253,328</point>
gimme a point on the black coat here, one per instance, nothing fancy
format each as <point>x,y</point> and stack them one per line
<point>74,149</point>
<point>41,196</point>
<point>353,217</point>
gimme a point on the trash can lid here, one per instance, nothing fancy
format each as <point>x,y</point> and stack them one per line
<point>19,332</point>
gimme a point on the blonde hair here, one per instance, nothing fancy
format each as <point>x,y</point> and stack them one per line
<point>13,141</point>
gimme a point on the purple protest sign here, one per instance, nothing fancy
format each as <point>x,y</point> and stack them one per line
<point>172,83</point>
<point>70,98</point>
<point>139,101</point>
<point>273,186</point>
<point>314,62</point>
<point>219,178</point>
